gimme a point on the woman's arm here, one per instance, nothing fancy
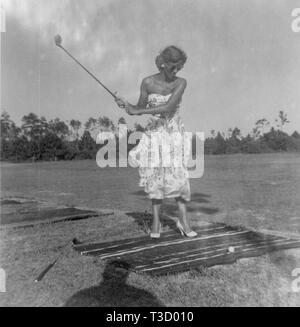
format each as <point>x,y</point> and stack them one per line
<point>142,103</point>
<point>170,106</point>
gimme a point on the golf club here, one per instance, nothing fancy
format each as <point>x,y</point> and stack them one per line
<point>58,42</point>
<point>44,271</point>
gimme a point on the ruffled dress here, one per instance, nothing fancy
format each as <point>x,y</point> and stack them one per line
<point>162,154</point>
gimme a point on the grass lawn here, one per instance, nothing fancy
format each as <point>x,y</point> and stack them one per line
<point>256,191</point>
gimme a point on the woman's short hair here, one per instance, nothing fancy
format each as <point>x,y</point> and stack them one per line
<point>170,54</point>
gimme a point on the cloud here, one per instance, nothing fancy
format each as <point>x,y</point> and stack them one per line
<point>69,18</point>
<point>104,33</point>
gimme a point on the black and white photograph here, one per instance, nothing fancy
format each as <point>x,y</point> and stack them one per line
<point>150,156</point>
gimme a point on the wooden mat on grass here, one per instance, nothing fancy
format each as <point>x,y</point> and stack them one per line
<point>27,213</point>
<point>174,253</point>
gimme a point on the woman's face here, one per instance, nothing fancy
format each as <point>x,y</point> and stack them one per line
<point>171,69</point>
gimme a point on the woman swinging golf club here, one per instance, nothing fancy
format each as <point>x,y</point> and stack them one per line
<point>160,96</point>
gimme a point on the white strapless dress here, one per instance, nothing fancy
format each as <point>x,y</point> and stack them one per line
<point>162,154</point>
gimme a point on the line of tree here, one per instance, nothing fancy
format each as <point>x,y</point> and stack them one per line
<point>264,138</point>
<point>39,139</point>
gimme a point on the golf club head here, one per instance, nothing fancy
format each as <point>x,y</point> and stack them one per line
<point>58,40</point>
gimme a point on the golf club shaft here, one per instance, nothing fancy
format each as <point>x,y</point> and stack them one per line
<point>44,272</point>
<point>88,72</point>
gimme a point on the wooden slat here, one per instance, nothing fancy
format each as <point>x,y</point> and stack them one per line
<point>222,258</point>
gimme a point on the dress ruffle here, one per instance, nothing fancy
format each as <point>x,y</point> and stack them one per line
<point>162,155</point>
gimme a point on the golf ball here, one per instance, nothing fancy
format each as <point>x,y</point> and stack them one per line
<point>231,249</point>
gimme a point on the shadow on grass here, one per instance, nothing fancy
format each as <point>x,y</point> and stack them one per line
<point>9,202</point>
<point>284,261</point>
<point>200,197</point>
<point>113,291</point>
<point>172,209</point>
<point>196,197</point>
<point>140,193</point>
<point>144,219</point>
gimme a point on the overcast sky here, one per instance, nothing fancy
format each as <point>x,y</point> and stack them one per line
<point>243,58</point>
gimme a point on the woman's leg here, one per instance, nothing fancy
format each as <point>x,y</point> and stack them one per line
<point>183,214</point>
<point>156,205</point>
